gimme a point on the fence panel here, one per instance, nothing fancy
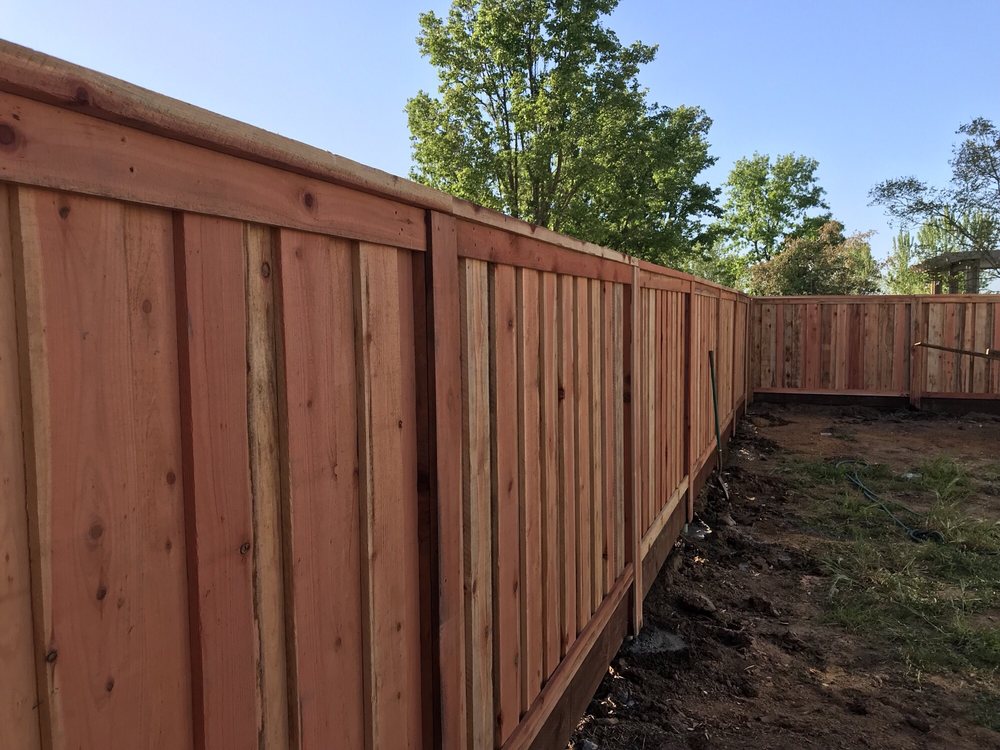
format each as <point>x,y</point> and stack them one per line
<point>864,346</point>
<point>298,454</point>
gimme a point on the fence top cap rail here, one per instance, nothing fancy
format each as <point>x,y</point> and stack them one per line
<point>35,75</point>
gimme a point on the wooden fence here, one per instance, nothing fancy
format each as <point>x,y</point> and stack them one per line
<point>864,346</point>
<point>298,454</point>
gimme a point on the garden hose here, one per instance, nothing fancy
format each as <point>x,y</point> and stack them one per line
<point>914,533</point>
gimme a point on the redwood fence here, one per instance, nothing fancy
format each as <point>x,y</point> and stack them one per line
<point>866,346</point>
<point>298,454</point>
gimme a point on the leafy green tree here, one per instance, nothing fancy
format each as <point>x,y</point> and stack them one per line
<point>966,213</point>
<point>899,275</point>
<point>766,200</point>
<point>718,262</point>
<point>540,114</point>
<point>826,262</point>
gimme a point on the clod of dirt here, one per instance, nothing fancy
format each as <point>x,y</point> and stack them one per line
<point>918,722</point>
<point>654,640</point>
<point>763,605</point>
<point>699,604</point>
<point>857,706</point>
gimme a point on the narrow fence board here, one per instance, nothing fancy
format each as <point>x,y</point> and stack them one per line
<point>567,461</point>
<point>218,505</point>
<point>18,690</point>
<point>632,363</point>
<point>324,524</point>
<point>476,471</point>
<point>583,498</point>
<point>618,399</point>
<point>529,460</point>
<point>506,501</point>
<point>551,610</point>
<point>265,480</point>
<point>596,444</point>
<point>387,489</point>
<point>608,407</point>
<point>94,282</point>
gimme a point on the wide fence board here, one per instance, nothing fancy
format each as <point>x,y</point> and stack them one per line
<point>296,454</point>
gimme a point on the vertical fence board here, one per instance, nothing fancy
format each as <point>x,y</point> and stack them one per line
<point>265,480</point>
<point>476,498</point>
<point>567,461</point>
<point>618,360</point>
<point>18,690</point>
<point>387,490</point>
<point>596,444</point>
<point>446,358</point>
<point>550,472</point>
<point>506,500</point>
<point>324,523</point>
<point>583,463</point>
<point>97,332</point>
<point>529,441</point>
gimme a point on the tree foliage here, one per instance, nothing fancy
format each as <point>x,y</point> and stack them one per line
<point>899,275</point>
<point>765,200</point>
<point>540,114</point>
<point>965,215</point>
<point>825,262</point>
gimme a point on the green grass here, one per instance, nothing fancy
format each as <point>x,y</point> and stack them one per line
<point>925,600</point>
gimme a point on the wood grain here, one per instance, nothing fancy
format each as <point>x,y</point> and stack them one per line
<point>506,501</point>
<point>18,690</point>
<point>476,475</point>
<point>103,464</point>
<point>383,305</point>
<point>324,523</point>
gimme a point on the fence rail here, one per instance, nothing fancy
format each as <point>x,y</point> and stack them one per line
<point>865,346</point>
<point>298,454</point>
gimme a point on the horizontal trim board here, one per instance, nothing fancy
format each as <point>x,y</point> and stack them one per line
<point>485,243</point>
<point>830,392</point>
<point>962,396</point>
<point>653,533</point>
<point>648,280</point>
<point>64,150</point>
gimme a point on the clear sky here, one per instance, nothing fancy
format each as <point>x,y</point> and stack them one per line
<point>871,88</point>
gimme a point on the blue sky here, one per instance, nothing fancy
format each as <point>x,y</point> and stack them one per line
<point>872,89</point>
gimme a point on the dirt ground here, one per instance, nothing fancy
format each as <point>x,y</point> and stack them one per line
<point>736,651</point>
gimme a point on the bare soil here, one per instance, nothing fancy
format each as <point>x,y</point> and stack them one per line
<point>735,652</point>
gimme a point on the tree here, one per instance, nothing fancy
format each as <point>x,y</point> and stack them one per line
<point>823,263</point>
<point>899,275</point>
<point>967,212</point>
<point>765,201</point>
<point>541,115</point>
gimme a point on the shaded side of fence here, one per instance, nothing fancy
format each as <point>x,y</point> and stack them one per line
<point>296,454</point>
<point>866,346</point>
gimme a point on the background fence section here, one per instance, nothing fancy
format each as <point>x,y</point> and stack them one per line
<point>298,454</point>
<point>864,346</point>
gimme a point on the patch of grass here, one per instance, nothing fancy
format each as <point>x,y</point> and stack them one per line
<point>926,600</point>
<point>986,710</point>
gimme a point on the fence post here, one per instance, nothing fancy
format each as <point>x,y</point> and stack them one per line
<point>632,528</point>
<point>689,388</point>
<point>445,438</point>
<point>917,357</point>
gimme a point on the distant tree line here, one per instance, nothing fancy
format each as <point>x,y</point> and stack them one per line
<point>540,114</point>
